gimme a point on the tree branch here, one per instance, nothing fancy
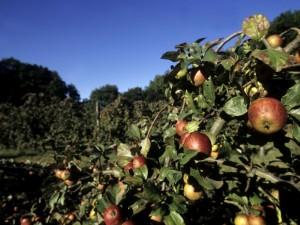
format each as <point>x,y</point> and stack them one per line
<point>230,37</point>
<point>259,173</point>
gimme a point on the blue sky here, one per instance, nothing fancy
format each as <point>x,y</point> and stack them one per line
<point>91,43</point>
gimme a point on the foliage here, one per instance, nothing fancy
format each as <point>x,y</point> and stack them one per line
<point>134,94</point>
<point>155,91</point>
<point>42,124</point>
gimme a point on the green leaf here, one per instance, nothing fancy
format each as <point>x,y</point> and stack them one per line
<point>277,60</point>
<point>170,132</point>
<point>201,102</point>
<point>292,98</point>
<point>206,182</point>
<point>169,154</point>
<point>178,203</point>
<point>236,106</point>
<point>296,132</point>
<point>210,56</point>
<point>142,171</point>
<point>209,92</point>
<point>119,191</point>
<point>76,223</point>
<point>293,147</point>
<point>192,126</point>
<point>124,155</point>
<point>295,113</point>
<point>241,200</point>
<point>173,176</point>
<point>171,55</point>
<point>124,150</point>
<point>187,155</point>
<point>53,200</point>
<point>270,155</point>
<point>228,63</point>
<point>189,100</point>
<point>138,206</point>
<point>174,218</point>
<point>134,180</point>
<point>145,144</point>
<point>255,200</point>
<point>101,204</point>
<point>181,73</point>
<point>150,193</point>
<point>134,132</point>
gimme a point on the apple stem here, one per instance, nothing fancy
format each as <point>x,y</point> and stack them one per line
<point>217,126</point>
<point>228,39</point>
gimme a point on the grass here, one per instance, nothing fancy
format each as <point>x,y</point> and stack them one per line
<point>41,158</point>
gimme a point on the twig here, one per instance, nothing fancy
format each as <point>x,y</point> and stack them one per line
<point>260,173</point>
<point>235,204</point>
<point>293,44</point>
<point>153,122</point>
<point>228,39</point>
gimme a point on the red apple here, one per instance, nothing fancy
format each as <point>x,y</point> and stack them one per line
<point>129,166</point>
<point>128,222</point>
<point>267,115</point>
<point>138,161</point>
<point>256,220</point>
<point>274,40</point>
<point>196,141</point>
<point>198,78</point>
<point>297,57</point>
<point>180,127</point>
<point>112,215</point>
<point>25,220</point>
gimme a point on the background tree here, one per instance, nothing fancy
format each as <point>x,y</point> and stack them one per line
<point>155,91</point>
<point>73,92</point>
<point>104,95</point>
<point>134,94</point>
<point>18,79</point>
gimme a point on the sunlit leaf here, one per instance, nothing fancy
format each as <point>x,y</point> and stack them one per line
<point>295,113</point>
<point>277,60</point>
<point>209,92</point>
<point>145,144</point>
<point>192,126</point>
<point>241,200</point>
<point>174,218</point>
<point>292,98</point>
<point>138,206</point>
<point>296,132</point>
<point>142,171</point>
<point>293,147</point>
<point>236,106</point>
<point>134,132</point>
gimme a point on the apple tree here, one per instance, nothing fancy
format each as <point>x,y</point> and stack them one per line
<point>223,150</point>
